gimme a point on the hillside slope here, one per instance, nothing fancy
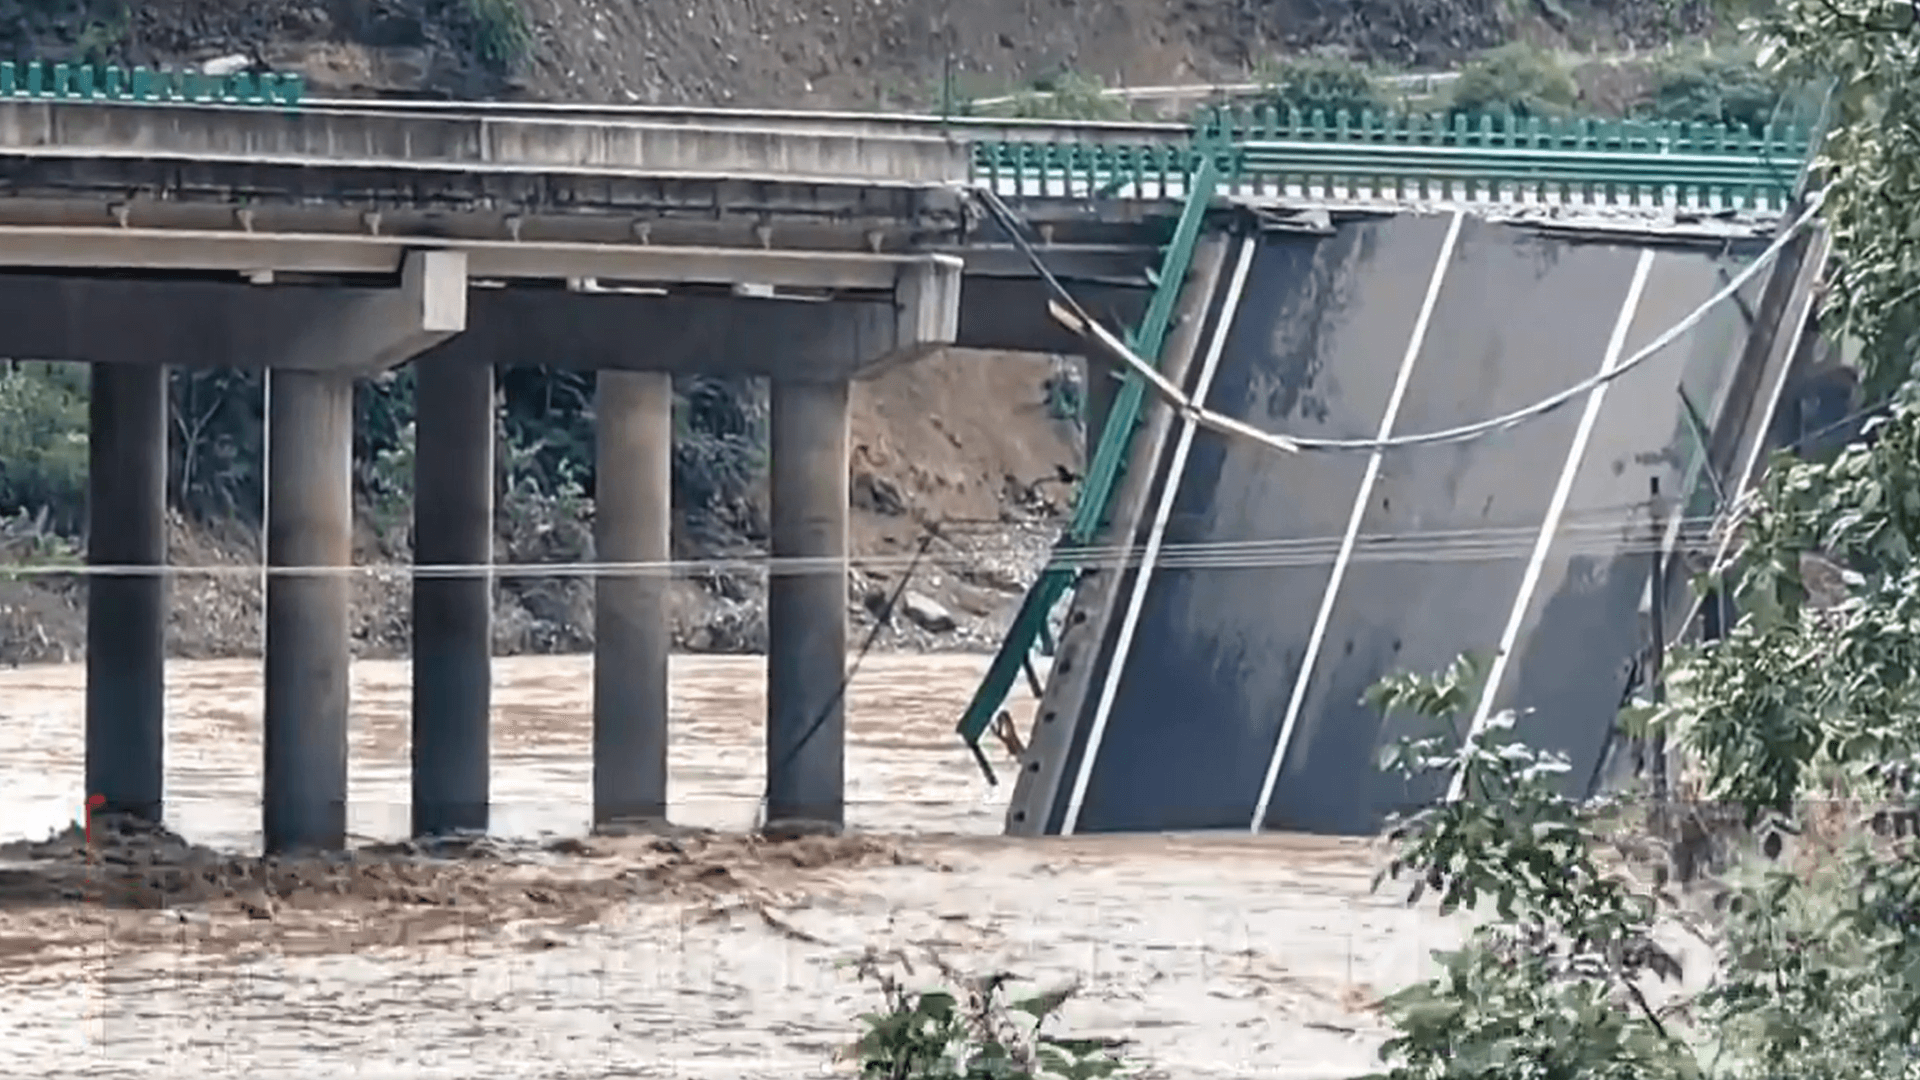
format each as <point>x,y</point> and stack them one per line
<point>798,53</point>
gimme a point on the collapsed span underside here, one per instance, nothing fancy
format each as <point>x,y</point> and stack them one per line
<point>1228,669</point>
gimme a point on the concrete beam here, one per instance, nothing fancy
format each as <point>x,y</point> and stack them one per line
<point>182,323</point>
<point>682,334</point>
<point>374,332</point>
<point>852,124</point>
<point>424,142</point>
<point>196,323</point>
<point>926,312</point>
<point>77,247</point>
<point>532,208</point>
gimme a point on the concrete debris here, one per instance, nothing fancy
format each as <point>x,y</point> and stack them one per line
<point>231,64</point>
<point>927,613</point>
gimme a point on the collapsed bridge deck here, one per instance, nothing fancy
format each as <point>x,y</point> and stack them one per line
<point>1215,681</point>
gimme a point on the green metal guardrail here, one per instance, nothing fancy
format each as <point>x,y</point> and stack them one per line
<point>89,82</point>
<point>1090,503</point>
<point>1586,161</point>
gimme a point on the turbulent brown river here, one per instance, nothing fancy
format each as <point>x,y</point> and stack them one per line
<point>1217,956</point>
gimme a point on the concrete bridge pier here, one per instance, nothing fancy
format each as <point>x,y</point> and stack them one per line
<point>807,609</point>
<point>633,470</point>
<point>310,528</point>
<point>452,613</point>
<point>127,613</point>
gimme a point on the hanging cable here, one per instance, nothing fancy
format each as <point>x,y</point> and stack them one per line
<point>1076,318</point>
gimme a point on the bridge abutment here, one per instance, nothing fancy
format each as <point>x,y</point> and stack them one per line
<point>452,609</point>
<point>633,415</point>
<point>807,608</point>
<point>127,612</point>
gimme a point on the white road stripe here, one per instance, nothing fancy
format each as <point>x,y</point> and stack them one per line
<point>1556,508</point>
<point>1176,468</point>
<point>1317,637</point>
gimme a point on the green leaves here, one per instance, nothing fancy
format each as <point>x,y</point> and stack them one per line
<point>1500,1011</point>
<point>1865,49</point>
<point>1548,992</point>
<point>1814,692</point>
<point>974,1034</point>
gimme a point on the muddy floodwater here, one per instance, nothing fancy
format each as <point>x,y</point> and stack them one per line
<point>1234,956</point>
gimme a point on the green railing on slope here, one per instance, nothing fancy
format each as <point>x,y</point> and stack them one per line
<point>1397,157</point>
<point>88,82</point>
<point>1090,503</point>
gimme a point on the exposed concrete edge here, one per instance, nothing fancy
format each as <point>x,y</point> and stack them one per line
<point>87,247</point>
<point>414,142</point>
<point>1740,431</point>
<point>926,314</point>
<point>374,333</point>
<point>981,128</point>
<point>1090,624</point>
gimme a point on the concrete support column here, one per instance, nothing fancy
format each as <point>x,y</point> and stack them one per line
<point>309,525</point>
<point>633,473</point>
<point>807,610</point>
<point>452,615</point>
<point>127,614</point>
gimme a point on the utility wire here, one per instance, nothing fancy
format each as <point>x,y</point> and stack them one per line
<point>1602,534</point>
<point>883,618</point>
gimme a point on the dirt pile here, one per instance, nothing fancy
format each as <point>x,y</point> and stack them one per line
<point>147,881</point>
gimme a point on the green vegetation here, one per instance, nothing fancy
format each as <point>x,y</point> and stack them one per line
<point>1718,88</point>
<point>1321,83</point>
<point>1515,79</point>
<point>975,1032</point>
<point>43,442</point>
<point>102,40</point>
<point>1802,723</point>
<point>1067,96</point>
<point>502,31</point>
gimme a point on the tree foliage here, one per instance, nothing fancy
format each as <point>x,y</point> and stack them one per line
<point>970,1029</point>
<point>1868,51</point>
<point>1550,990</point>
<point>1717,88</point>
<point>43,441</point>
<point>1804,719</point>
<point>1516,79</point>
<point>1328,85</point>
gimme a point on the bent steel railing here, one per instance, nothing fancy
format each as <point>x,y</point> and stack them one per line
<point>1413,159</point>
<point>88,82</point>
